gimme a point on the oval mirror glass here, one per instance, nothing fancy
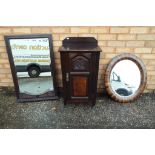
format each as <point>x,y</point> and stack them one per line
<point>125,78</point>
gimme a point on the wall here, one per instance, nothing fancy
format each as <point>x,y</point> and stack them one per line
<point>113,41</point>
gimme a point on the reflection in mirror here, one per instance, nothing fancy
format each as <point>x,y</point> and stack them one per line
<point>33,65</point>
<point>125,78</point>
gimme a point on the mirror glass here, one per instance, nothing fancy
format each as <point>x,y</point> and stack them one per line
<point>33,65</point>
<point>125,78</point>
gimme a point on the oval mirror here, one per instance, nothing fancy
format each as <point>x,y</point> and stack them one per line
<point>125,77</point>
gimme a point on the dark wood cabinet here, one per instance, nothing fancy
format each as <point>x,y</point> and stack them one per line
<point>79,64</point>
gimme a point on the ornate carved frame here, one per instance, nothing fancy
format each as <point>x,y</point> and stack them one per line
<point>141,66</point>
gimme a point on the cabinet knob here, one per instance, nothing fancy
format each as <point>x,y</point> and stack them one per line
<point>67,77</point>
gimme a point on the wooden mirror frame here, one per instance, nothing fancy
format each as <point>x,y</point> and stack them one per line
<point>143,72</point>
<point>22,97</point>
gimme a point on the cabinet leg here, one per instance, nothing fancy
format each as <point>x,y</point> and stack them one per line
<point>65,102</point>
<point>93,103</point>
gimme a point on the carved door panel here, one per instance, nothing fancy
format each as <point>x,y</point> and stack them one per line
<point>79,75</point>
<point>79,62</point>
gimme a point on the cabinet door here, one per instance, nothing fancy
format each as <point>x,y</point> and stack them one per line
<point>79,75</point>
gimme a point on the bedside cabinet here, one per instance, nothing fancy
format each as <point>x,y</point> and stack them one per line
<point>79,64</point>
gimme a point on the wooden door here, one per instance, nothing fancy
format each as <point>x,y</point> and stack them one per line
<point>79,76</point>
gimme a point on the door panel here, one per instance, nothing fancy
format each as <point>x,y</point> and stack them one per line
<point>79,62</point>
<point>79,76</point>
<point>79,86</point>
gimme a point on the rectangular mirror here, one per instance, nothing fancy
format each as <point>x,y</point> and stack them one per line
<point>32,64</point>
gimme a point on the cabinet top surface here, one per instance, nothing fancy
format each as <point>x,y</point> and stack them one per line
<point>80,49</point>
